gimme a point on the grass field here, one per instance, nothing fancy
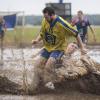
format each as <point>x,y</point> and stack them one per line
<point>20,36</point>
<point>24,36</point>
<point>97,35</point>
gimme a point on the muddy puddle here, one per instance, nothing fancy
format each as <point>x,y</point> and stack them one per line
<point>15,61</point>
<point>69,95</point>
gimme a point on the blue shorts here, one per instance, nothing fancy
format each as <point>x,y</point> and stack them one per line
<point>55,54</point>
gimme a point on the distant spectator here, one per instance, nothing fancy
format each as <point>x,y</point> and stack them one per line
<point>82,24</point>
<point>2,27</point>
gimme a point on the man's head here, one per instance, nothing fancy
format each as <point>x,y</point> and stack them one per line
<point>48,13</point>
<point>80,14</point>
<point>71,48</point>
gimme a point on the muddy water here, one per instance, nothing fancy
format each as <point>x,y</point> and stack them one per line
<point>16,61</point>
<point>69,95</point>
<point>13,66</point>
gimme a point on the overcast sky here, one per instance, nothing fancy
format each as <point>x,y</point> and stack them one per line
<point>35,6</point>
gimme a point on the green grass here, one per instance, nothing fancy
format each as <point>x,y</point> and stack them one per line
<point>20,35</point>
<point>25,35</point>
<point>97,35</point>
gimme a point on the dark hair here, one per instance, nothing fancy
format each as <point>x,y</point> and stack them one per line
<point>49,10</point>
<point>80,11</point>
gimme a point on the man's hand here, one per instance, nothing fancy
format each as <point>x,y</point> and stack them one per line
<point>34,42</point>
<point>83,51</point>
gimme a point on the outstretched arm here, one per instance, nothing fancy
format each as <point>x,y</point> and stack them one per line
<point>37,39</point>
<point>83,50</point>
<point>92,33</point>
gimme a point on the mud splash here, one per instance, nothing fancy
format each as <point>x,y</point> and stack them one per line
<point>15,61</point>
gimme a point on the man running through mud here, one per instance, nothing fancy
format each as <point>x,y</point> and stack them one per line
<point>54,32</point>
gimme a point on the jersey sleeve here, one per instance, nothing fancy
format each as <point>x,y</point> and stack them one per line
<point>69,28</point>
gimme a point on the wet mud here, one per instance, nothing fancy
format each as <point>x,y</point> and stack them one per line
<point>17,61</point>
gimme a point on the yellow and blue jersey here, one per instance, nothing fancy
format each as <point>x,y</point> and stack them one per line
<point>55,35</point>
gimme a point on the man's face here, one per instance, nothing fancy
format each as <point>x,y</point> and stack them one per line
<point>72,47</point>
<point>47,17</point>
<point>80,15</point>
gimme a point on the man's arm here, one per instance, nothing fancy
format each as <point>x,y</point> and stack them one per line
<point>83,50</point>
<point>76,34</point>
<point>88,24</point>
<point>73,31</point>
<point>92,33</point>
<point>37,39</point>
<point>42,30</point>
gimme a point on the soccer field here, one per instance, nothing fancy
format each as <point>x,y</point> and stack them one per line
<point>97,35</point>
<point>20,36</point>
<point>25,35</point>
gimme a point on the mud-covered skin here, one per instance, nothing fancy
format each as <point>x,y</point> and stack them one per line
<point>82,74</point>
<point>71,69</point>
<point>76,68</point>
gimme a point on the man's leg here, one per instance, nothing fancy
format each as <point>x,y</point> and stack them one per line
<point>39,69</point>
<point>37,73</point>
<point>49,71</point>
